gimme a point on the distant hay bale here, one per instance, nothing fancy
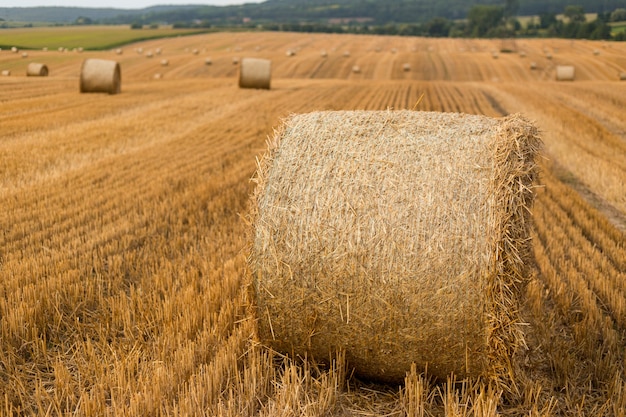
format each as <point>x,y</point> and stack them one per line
<point>323,53</point>
<point>394,50</point>
<point>149,54</point>
<point>494,55</point>
<point>406,67</point>
<point>80,49</point>
<point>100,76</point>
<point>165,62</point>
<point>119,51</point>
<point>356,69</point>
<point>14,49</point>
<point>235,60</point>
<point>6,73</point>
<point>24,55</point>
<point>35,69</point>
<point>290,52</point>
<point>195,51</point>
<point>522,54</point>
<point>44,49</point>
<point>622,76</point>
<point>533,65</point>
<point>208,61</point>
<point>398,237</point>
<point>255,73</point>
<point>157,76</point>
<point>346,54</point>
<point>596,52</point>
<point>139,51</point>
<point>549,55</point>
<point>158,51</point>
<point>565,73</point>
<point>61,49</point>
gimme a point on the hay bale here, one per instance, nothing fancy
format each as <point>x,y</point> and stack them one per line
<point>208,61</point>
<point>6,73</point>
<point>100,76</point>
<point>119,51</point>
<point>323,53</point>
<point>522,54</point>
<point>149,54</point>
<point>14,49</point>
<point>494,55</point>
<point>622,76</point>
<point>406,67</point>
<point>565,73</point>
<point>24,54</point>
<point>596,52</point>
<point>533,65</point>
<point>290,52</point>
<point>346,54</point>
<point>235,60</point>
<point>397,236</point>
<point>255,73</point>
<point>35,69</point>
<point>195,51</point>
<point>165,62</point>
<point>356,69</point>
<point>549,55</point>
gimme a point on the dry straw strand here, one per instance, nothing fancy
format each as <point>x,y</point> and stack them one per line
<point>400,237</point>
<point>100,76</point>
<point>255,73</point>
<point>35,69</point>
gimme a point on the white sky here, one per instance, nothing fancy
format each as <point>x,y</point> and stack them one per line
<point>118,4</point>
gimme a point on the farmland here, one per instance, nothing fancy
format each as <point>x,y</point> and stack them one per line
<point>123,231</point>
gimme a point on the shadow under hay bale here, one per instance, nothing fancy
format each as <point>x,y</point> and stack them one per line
<point>100,76</point>
<point>397,237</point>
<point>255,73</point>
<point>35,69</point>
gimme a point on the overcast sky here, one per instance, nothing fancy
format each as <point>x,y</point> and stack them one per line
<point>121,4</point>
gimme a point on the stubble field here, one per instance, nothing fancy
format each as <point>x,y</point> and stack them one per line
<point>123,286</point>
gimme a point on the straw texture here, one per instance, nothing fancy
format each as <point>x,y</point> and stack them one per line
<point>398,237</point>
<point>565,73</point>
<point>100,76</point>
<point>35,69</point>
<point>255,73</point>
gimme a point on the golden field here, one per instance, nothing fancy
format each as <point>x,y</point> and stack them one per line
<point>123,238</point>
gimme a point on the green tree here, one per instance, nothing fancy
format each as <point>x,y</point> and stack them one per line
<point>484,19</point>
<point>510,8</point>
<point>575,14</point>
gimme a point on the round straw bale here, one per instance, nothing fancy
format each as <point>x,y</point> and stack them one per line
<point>158,51</point>
<point>235,60</point>
<point>533,65</point>
<point>356,69</point>
<point>406,67</point>
<point>6,73</point>
<point>45,49</point>
<point>255,73</point>
<point>522,54</point>
<point>346,54</point>
<point>208,61</point>
<point>397,237</point>
<point>14,49</point>
<point>549,55</point>
<point>290,52</point>
<point>565,73</point>
<point>100,76</point>
<point>119,51</point>
<point>149,54</point>
<point>622,76</point>
<point>195,52</point>
<point>596,52</point>
<point>60,49</point>
<point>35,69</point>
<point>323,53</point>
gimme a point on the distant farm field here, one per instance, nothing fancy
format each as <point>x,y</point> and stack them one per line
<point>123,234</point>
<point>87,37</point>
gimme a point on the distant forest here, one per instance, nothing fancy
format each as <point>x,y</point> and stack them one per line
<point>441,18</point>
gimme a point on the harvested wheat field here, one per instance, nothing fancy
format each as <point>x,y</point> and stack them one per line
<point>125,231</point>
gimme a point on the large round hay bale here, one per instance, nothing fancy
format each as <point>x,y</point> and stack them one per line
<point>100,76</point>
<point>565,73</point>
<point>255,73</point>
<point>396,236</point>
<point>35,69</point>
